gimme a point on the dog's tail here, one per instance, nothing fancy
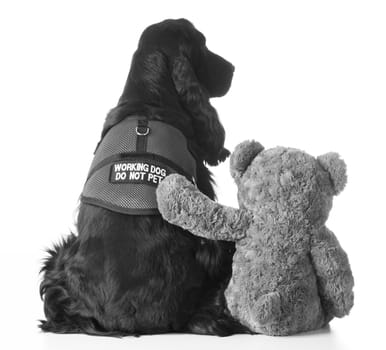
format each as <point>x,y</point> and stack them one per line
<point>213,324</point>
<point>213,318</point>
<point>62,310</point>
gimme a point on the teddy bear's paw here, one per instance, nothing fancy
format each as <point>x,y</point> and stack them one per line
<point>170,195</point>
<point>343,304</point>
<point>267,307</point>
<point>173,183</point>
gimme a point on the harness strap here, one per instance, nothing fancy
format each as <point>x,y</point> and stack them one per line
<point>142,130</point>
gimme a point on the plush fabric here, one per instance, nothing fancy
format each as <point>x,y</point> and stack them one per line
<point>289,272</point>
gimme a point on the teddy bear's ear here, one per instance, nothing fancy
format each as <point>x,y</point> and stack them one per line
<point>242,157</point>
<point>336,167</point>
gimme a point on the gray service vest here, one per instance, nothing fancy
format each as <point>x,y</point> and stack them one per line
<point>131,160</point>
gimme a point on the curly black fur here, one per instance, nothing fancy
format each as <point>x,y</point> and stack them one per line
<point>137,275</point>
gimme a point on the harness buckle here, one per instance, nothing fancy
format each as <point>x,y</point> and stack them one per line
<point>142,130</point>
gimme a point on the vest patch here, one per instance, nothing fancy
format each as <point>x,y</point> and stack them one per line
<point>137,172</point>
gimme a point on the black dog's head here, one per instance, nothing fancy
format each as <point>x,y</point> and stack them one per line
<point>173,69</point>
<point>179,40</point>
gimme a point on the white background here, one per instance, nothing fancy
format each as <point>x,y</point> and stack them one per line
<point>309,74</point>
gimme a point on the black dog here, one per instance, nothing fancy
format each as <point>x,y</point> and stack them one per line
<point>130,274</point>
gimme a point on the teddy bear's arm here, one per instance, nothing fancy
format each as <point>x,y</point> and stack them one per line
<point>335,279</point>
<point>182,204</point>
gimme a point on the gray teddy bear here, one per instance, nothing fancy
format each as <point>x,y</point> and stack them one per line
<point>289,272</point>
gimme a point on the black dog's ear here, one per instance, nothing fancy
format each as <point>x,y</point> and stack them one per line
<point>194,96</point>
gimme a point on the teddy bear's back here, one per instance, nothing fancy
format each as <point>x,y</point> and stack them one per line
<point>276,257</point>
<point>270,260</point>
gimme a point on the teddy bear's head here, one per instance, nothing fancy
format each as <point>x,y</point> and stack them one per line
<point>286,180</point>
